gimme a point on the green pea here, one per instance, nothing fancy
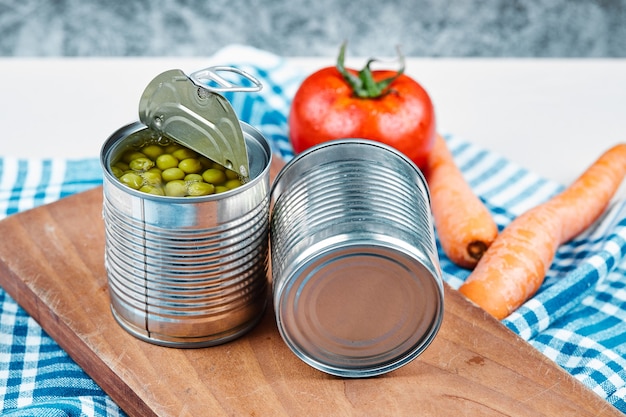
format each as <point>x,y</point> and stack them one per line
<point>166,161</point>
<point>132,180</point>
<point>184,153</point>
<point>152,178</point>
<point>206,162</point>
<point>214,176</point>
<point>200,188</point>
<point>130,155</point>
<point>153,151</point>
<point>190,165</point>
<point>231,175</point>
<point>172,174</point>
<point>118,172</point>
<point>176,188</point>
<point>141,164</point>
<point>218,166</point>
<point>231,184</point>
<point>155,170</point>
<point>220,189</point>
<point>122,165</point>
<point>172,147</point>
<point>151,189</point>
<point>193,177</point>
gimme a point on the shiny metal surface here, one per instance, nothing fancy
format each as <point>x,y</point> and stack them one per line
<point>190,271</point>
<point>357,284</point>
<point>220,80</point>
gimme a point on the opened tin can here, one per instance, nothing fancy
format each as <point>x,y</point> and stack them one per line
<point>357,285</point>
<point>187,271</point>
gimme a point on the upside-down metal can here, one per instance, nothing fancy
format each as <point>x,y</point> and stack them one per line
<point>357,285</point>
<point>186,271</point>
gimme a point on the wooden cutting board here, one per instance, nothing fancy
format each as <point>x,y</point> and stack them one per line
<point>51,263</point>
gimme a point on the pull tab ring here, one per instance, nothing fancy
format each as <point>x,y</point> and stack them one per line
<point>221,84</point>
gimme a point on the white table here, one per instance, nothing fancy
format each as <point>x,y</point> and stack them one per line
<point>552,116</point>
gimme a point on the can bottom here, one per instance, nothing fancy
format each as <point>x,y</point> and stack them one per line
<point>360,309</point>
<point>188,342</point>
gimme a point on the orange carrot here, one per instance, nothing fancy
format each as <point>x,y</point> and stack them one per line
<point>515,265</point>
<point>463,223</point>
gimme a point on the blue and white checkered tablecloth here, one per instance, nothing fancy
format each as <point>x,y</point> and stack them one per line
<point>577,319</point>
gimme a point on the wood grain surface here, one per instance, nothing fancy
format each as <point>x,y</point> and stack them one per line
<point>51,263</point>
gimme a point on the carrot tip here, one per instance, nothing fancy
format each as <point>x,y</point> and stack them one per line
<point>476,249</point>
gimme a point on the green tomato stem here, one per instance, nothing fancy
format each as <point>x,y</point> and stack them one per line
<point>363,84</point>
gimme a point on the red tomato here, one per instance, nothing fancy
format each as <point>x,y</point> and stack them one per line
<point>326,107</point>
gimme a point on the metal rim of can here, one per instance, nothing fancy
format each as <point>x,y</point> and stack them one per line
<point>276,187</point>
<point>299,324</point>
<point>255,174</point>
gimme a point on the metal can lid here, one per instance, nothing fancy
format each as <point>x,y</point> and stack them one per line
<point>360,308</point>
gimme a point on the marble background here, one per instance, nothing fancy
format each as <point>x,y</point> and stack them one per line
<point>436,28</point>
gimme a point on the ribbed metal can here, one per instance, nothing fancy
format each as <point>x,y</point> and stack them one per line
<point>187,271</point>
<point>357,285</point>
